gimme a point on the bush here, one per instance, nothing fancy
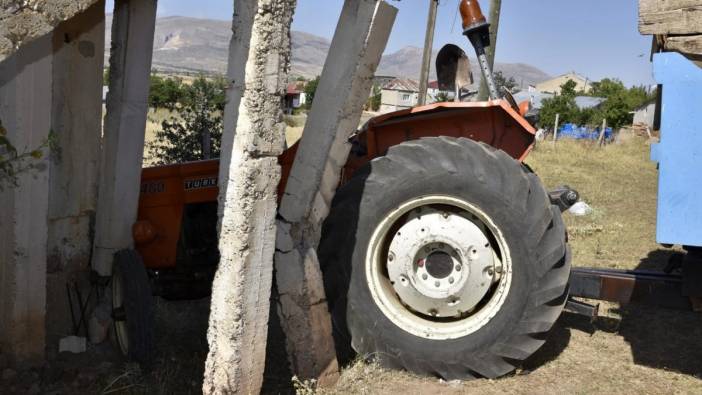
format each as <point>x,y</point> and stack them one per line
<point>166,92</point>
<point>616,109</point>
<point>310,90</point>
<point>196,132</point>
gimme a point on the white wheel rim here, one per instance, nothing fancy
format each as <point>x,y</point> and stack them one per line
<point>464,289</point>
<point>118,302</point>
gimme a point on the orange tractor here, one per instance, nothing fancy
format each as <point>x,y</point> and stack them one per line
<point>442,254</point>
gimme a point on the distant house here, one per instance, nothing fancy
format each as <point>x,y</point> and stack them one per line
<point>537,98</point>
<point>645,114</point>
<point>534,97</point>
<point>554,85</point>
<point>295,96</point>
<point>399,94</point>
<point>382,80</point>
<point>433,92</point>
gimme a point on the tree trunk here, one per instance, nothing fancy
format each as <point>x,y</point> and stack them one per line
<point>253,137</point>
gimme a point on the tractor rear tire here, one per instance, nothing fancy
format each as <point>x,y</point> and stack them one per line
<point>133,307</point>
<point>466,182</point>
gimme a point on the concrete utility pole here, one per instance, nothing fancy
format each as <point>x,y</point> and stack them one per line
<point>359,41</point>
<point>495,7</point>
<point>253,138</point>
<point>426,57</point>
<point>133,27</point>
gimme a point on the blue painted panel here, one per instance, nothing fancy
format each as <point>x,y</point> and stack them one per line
<point>679,153</point>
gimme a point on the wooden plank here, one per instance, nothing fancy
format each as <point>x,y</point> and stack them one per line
<point>685,44</point>
<point>670,17</point>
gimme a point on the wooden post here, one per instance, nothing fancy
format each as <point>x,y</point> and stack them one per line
<point>555,129</point>
<point>253,138</point>
<point>600,139</point>
<point>358,44</point>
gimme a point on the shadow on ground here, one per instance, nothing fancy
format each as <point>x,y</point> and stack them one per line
<point>663,338</point>
<point>659,338</point>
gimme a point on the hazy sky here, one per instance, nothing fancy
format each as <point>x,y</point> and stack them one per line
<point>596,38</point>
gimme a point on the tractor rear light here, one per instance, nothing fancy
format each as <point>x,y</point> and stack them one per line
<point>143,232</point>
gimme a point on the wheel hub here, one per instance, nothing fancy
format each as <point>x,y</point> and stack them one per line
<point>441,264</point>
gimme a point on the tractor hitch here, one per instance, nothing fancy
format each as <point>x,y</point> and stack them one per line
<point>564,197</point>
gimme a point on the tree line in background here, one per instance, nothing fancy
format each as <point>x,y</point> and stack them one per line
<point>193,130</point>
<point>617,107</point>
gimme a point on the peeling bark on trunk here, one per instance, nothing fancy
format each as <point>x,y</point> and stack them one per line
<point>254,136</point>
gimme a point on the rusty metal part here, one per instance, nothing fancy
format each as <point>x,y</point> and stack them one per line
<point>476,28</point>
<point>564,197</point>
<point>471,13</point>
<point>453,70</point>
<point>629,286</point>
<point>581,308</point>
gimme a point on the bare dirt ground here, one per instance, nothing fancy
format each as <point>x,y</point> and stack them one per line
<point>627,350</point>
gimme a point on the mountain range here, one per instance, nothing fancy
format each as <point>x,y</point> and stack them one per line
<point>192,45</point>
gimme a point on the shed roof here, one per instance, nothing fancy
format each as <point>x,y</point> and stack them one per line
<point>402,84</point>
<point>536,98</point>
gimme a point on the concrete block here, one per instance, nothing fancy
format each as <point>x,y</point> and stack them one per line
<point>25,110</point>
<point>72,344</point>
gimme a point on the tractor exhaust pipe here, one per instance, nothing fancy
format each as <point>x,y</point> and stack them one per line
<point>477,29</point>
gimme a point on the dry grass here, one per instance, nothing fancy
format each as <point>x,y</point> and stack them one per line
<point>629,350</point>
<point>619,182</point>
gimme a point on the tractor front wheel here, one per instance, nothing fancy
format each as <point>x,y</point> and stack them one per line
<point>445,257</point>
<point>132,307</point>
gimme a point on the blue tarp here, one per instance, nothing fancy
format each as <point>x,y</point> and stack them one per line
<point>576,132</point>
